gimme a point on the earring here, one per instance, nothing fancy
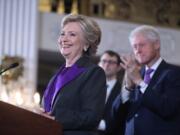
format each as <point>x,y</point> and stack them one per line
<point>85,49</point>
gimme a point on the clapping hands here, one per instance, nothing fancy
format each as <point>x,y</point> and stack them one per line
<point>132,70</point>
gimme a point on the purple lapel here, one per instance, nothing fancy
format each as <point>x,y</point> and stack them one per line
<point>63,77</point>
<point>49,92</point>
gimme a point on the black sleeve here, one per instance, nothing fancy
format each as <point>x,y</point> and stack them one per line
<point>116,125</point>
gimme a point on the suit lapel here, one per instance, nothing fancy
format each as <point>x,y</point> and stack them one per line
<point>71,74</point>
<point>115,91</point>
<point>49,92</point>
<point>77,69</point>
<point>155,79</point>
<point>157,75</point>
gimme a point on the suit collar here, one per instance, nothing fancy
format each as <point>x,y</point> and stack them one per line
<point>162,66</point>
<point>83,61</point>
<point>155,65</point>
<point>72,73</point>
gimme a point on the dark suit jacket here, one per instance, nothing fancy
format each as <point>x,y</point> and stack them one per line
<point>117,118</point>
<point>114,93</point>
<point>79,104</point>
<point>157,112</point>
<point>108,106</point>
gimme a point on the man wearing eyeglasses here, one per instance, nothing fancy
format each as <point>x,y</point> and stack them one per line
<point>110,62</point>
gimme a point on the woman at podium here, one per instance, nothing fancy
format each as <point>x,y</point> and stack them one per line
<point>75,95</point>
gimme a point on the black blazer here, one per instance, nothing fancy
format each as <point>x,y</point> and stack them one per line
<point>157,112</point>
<point>117,118</point>
<point>79,104</point>
<point>108,106</point>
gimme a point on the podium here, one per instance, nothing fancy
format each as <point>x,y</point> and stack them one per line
<point>17,121</point>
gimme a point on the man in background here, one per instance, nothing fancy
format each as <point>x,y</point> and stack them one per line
<point>110,62</point>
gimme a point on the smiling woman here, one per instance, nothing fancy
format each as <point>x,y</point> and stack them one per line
<point>90,30</point>
<point>80,35</point>
<point>71,97</point>
<point>71,43</point>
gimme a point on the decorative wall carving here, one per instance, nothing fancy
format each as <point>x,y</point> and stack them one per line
<point>155,12</point>
<point>162,12</point>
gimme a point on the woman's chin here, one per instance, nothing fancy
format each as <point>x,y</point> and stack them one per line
<point>65,55</point>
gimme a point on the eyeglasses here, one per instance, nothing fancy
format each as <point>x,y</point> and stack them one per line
<point>108,62</point>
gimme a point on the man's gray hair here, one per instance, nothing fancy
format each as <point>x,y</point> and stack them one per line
<point>147,31</point>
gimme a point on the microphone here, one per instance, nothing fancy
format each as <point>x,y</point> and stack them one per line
<point>10,67</point>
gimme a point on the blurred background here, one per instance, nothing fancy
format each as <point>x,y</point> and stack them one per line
<point>29,30</point>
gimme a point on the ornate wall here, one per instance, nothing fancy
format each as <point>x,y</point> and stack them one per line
<point>157,12</point>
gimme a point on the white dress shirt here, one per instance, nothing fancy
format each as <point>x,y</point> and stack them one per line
<point>110,85</point>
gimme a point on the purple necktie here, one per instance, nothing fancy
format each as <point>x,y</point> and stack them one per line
<point>147,76</point>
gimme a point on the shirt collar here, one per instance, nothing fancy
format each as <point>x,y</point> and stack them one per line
<point>111,82</point>
<point>156,64</point>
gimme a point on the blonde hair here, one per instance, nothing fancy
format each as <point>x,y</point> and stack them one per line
<point>90,28</point>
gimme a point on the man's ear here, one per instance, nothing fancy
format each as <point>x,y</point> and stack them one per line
<point>157,45</point>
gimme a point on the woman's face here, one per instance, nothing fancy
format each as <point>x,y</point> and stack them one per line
<point>71,40</point>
